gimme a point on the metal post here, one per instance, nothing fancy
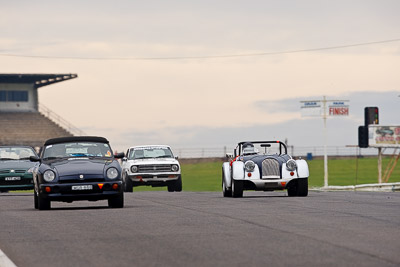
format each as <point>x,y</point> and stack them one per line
<point>325,146</point>
<point>379,165</point>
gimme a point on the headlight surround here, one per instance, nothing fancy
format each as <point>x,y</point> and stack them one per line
<point>134,168</point>
<point>112,173</point>
<point>249,166</point>
<point>49,176</point>
<point>291,165</point>
<point>174,168</point>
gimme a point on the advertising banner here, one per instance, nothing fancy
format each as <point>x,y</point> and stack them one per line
<point>384,136</point>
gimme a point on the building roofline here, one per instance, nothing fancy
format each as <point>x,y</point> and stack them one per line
<point>38,80</point>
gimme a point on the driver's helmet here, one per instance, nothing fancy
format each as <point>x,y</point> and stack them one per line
<point>248,149</point>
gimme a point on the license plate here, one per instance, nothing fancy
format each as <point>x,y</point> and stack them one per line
<point>14,178</point>
<point>82,187</point>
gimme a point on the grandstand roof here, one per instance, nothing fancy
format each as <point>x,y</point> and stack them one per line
<point>38,80</point>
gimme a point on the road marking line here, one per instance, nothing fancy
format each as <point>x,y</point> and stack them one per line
<point>5,261</point>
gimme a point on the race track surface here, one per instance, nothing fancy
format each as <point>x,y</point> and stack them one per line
<point>205,229</point>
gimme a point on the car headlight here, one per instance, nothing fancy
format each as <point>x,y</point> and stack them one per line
<point>249,166</point>
<point>291,165</point>
<point>112,173</point>
<point>134,168</point>
<point>174,168</point>
<point>49,176</point>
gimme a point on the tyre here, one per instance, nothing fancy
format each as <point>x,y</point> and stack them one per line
<point>128,185</point>
<point>35,200</point>
<point>175,186</point>
<point>302,187</point>
<point>225,191</point>
<point>116,202</point>
<point>237,188</point>
<point>299,188</point>
<point>171,186</point>
<point>178,184</point>
<point>43,203</point>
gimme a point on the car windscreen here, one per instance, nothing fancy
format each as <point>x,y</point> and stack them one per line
<point>260,149</point>
<point>16,153</point>
<point>150,152</point>
<point>77,149</point>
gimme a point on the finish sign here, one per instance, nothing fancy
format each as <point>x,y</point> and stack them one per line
<point>338,108</point>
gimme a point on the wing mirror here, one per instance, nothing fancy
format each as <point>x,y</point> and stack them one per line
<point>34,159</point>
<point>229,155</point>
<point>119,155</point>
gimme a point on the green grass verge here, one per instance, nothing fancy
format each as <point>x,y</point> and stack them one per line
<point>207,176</point>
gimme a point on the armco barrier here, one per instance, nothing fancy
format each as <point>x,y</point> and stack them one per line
<point>384,187</point>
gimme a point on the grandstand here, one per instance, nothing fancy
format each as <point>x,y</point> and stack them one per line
<point>23,120</point>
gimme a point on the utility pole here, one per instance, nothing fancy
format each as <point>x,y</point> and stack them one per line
<point>324,117</point>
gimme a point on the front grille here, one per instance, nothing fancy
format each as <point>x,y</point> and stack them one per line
<point>17,182</point>
<point>155,168</point>
<point>87,178</point>
<point>270,169</point>
<point>8,171</point>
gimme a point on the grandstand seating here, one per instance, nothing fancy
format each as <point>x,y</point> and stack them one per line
<point>28,128</point>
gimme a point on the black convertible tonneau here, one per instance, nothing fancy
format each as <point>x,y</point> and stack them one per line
<point>60,140</point>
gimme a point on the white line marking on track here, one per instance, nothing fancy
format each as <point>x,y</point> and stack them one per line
<point>5,261</point>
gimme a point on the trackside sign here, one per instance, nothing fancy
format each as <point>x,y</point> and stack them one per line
<point>311,108</point>
<point>338,108</point>
<point>316,108</point>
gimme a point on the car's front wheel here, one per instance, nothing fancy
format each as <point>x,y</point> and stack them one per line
<point>128,185</point>
<point>35,200</point>
<point>43,203</point>
<point>225,191</point>
<point>299,188</point>
<point>175,186</point>
<point>237,188</point>
<point>116,202</point>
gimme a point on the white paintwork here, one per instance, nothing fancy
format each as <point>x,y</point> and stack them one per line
<point>227,174</point>
<point>126,165</point>
<point>238,170</point>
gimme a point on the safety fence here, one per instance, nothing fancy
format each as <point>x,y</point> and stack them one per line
<point>296,151</point>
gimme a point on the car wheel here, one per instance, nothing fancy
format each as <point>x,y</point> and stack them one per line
<point>178,184</point>
<point>237,188</point>
<point>302,187</point>
<point>292,190</point>
<point>225,191</point>
<point>116,202</point>
<point>35,200</point>
<point>43,203</point>
<point>171,186</point>
<point>128,186</point>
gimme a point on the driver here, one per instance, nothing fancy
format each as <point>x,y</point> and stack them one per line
<point>248,149</point>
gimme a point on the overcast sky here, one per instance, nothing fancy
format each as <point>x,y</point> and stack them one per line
<point>129,91</point>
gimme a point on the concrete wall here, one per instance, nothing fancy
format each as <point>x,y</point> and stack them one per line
<point>30,106</point>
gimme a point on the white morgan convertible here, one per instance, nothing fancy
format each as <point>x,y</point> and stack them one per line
<point>249,169</point>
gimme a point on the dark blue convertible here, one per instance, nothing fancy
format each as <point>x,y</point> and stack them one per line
<point>77,168</point>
